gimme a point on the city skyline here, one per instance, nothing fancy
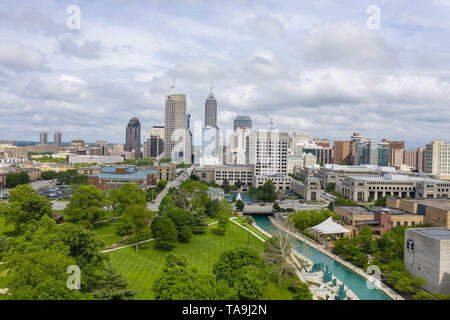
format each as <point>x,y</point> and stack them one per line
<point>329,74</point>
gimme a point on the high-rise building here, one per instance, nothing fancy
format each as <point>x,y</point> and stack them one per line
<point>57,138</point>
<point>242,122</point>
<point>354,139</point>
<point>133,137</point>
<point>415,159</point>
<point>322,142</point>
<point>153,146</point>
<point>323,155</point>
<point>268,151</point>
<point>211,110</point>
<point>211,147</point>
<point>372,152</point>
<point>176,135</point>
<point>236,153</point>
<point>298,140</point>
<point>394,145</point>
<point>342,152</point>
<point>43,137</point>
<point>437,159</point>
<point>156,131</point>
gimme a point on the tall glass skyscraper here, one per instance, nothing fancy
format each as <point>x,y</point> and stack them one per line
<point>133,137</point>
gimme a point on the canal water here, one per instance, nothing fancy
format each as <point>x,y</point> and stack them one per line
<point>351,280</point>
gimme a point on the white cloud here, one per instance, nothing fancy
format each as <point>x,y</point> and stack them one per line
<point>18,57</point>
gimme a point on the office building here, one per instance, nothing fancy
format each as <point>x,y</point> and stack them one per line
<point>342,152</point>
<point>437,159</point>
<point>43,137</point>
<point>133,137</point>
<point>237,150</point>
<point>309,190</point>
<point>394,145</point>
<point>153,147</point>
<point>78,144</point>
<point>436,211</point>
<point>427,255</point>
<point>268,152</point>
<point>57,138</point>
<point>85,159</point>
<point>298,141</point>
<point>175,131</point>
<point>415,159</point>
<point>365,188</point>
<point>113,178</point>
<point>323,155</point>
<point>211,148</point>
<point>372,152</point>
<point>157,131</point>
<point>244,122</point>
<point>211,110</point>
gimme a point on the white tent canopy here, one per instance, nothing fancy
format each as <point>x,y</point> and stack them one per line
<point>329,227</point>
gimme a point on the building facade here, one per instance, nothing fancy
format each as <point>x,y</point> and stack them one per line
<point>427,255</point>
<point>268,152</point>
<point>57,138</point>
<point>43,139</point>
<point>176,135</point>
<point>211,111</point>
<point>437,159</point>
<point>244,122</point>
<point>133,137</point>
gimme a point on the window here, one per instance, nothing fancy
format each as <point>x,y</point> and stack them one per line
<point>410,245</point>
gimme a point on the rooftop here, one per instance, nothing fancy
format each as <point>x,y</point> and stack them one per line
<point>443,204</point>
<point>435,233</point>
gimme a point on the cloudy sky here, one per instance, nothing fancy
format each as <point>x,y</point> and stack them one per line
<point>312,66</point>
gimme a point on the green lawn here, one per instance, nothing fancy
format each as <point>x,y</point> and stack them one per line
<point>241,221</point>
<point>203,251</point>
<point>274,292</point>
<point>106,231</point>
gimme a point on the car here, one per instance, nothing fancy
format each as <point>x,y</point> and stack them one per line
<point>262,204</point>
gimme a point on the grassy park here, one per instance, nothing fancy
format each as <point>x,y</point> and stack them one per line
<point>144,267</point>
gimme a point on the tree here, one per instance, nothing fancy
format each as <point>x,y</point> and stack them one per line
<point>87,202</point>
<point>137,217</point>
<point>128,194</point>
<point>180,281</point>
<point>165,234</point>
<point>380,202</point>
<point>244,270</point>
<point>240,205</point>
<point>49,175</point>
<point>15,179</point>
<point>225,213</point>
<point>266,192</point>
<point>365,237</point>
<point>226,186</point>
<point>212,208</point>
<point>331,187</point>
<point>112,286</point>
<point>276,206</point>
<point>161,185</point>
<point>185,234</point>
<point>184,222</point>
<point>166,204</point>
<point>276,251</point>
<point>302,291</point>
<point>25,208</point>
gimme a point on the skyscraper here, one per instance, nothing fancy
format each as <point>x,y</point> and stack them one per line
<point>372,152</point>
<point>437,159</point>
<point>43,137</point>
<point>242,122</point>
<point>211,111</point>
<point>268,151</point>
<point>57,138</point>
<point>133,137</point>
<point>176,135</point>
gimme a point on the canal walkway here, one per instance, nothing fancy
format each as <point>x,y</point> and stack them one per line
<point>378,284</point>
